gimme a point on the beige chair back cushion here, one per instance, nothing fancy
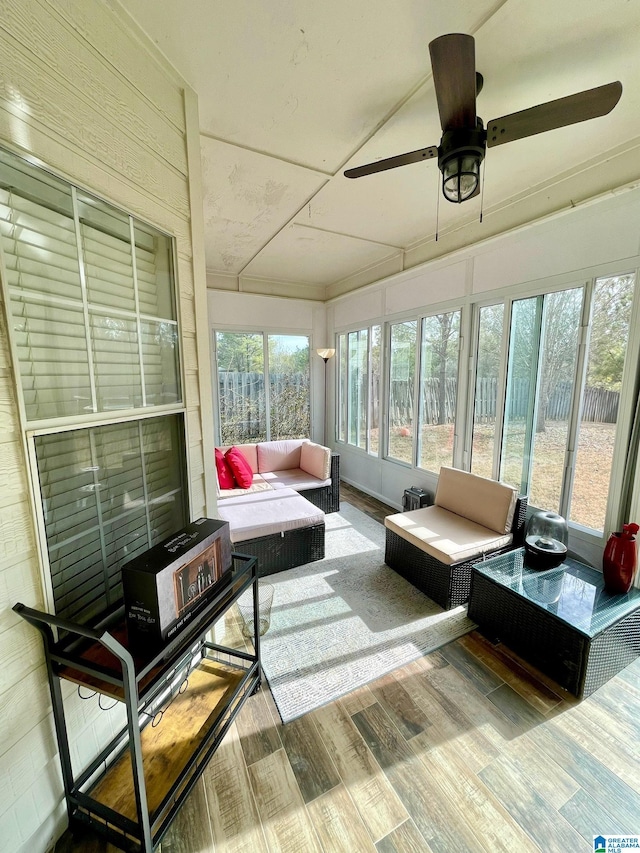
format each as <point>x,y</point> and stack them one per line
<point>279,455</point>
<point>316,460</point>
<point>479,499</point>
<point>249,451</point>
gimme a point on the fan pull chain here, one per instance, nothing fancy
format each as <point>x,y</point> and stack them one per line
<point>437,207</point>
<point>484,168</point>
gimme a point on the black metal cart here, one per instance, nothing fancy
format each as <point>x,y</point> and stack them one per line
<point>129,793</point>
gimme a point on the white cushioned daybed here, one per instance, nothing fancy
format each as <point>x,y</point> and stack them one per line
<point>435,547</point>
<point>279,518</point>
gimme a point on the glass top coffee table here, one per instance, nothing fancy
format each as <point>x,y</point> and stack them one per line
<point>561,620</point>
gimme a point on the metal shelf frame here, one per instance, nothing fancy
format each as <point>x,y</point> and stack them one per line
<point>146,683</point>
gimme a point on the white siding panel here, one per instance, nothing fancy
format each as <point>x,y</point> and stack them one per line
<point>80,68</point>
<point>187,315</point>
<point>43,96</point>
<point>16,533</point>
<point>97,24</point>
<point>88,171</point>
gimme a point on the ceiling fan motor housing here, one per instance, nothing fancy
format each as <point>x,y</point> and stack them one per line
<point>460,153</point>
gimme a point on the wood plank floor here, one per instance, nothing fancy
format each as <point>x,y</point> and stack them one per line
<point>465,749</point>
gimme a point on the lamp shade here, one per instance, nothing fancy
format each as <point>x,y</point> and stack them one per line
<point>326,354</point>
<point>546,540</point>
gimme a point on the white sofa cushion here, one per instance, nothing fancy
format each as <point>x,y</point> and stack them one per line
<point>266,513</point>
<point>279,455</point>
<point>259,484</point>
<point>444,535</point>
<point>316,460</point>
<point>293,478</point>
<point>487,502</point>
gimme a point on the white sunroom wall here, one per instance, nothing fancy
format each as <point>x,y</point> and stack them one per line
<point>597,238</point>
<point>87,96</point>
<point>246,312</point>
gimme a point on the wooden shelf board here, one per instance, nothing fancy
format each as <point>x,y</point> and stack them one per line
<point>168,747</point>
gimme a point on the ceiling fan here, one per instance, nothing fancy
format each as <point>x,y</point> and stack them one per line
<point>464,138</point>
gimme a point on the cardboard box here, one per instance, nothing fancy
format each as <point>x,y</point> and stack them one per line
<point>165,587</point>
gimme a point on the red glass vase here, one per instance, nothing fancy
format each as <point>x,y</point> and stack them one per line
<point>619,562</point>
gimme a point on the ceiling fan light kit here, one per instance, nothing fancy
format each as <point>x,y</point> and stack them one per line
<point>464,139</point>
<point>459,157</point>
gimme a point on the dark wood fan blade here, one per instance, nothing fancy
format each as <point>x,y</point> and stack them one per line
<point>392,162</point>
<point>559,113</point>
<point>453,61</point>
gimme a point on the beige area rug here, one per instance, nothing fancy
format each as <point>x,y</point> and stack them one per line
<point>344,621</point>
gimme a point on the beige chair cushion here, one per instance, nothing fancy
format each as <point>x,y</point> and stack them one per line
<point>447,537</point>
<point>487,502</point>
<point>279,455</point>
<point>315,460</point>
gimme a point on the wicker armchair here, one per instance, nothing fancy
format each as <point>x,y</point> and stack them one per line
<point>410,537</point>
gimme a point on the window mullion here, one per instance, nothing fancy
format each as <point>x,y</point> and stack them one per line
<point>501,390</point>
<point>575,414</point>
<point>136,297</point>
<point>85,300</point>
<point>369,395</point>
<point>416,438</point>
<point>267,385</point>
<point>96,494</point>
<point>145,485</point>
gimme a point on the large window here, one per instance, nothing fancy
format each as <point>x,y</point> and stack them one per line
<point>423,427</point>
<point>358,421</point>
<point>263,386</point>
<point>438,389</point>
<point>402,381</point>
<point>562,399</point>
<point>91,298</point>
<point>600,401</point>
<point>108,493</point>
<point>485,407</point>
<point>91,308</point>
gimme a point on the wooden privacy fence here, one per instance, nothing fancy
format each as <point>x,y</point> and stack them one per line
<point>599,406</point>
<point>242,401</point>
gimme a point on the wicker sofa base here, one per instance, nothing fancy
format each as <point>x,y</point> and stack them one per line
<point>448,586</point>
<point>281,551</point>
<point>327,498</point>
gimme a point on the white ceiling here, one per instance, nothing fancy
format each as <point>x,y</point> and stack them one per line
<point>291,92</point>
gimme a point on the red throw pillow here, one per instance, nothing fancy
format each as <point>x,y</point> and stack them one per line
<point>225,475</point>
<point>240,467</point>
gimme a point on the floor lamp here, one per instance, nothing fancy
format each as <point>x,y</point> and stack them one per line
<point>325,355</point>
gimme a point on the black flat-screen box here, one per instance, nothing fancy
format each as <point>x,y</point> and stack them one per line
<point>166,586</point>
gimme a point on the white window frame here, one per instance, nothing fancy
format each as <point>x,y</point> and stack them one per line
<point>30,429</point>
<point>266,334</point>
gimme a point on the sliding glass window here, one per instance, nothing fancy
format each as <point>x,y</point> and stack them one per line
<point>485,431</point>
<point>402,387</point>
<point>438,389</point>
<point>358,402</point>
<point>600,402</point>
<point>566,357</point>
<point>263,386</point>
